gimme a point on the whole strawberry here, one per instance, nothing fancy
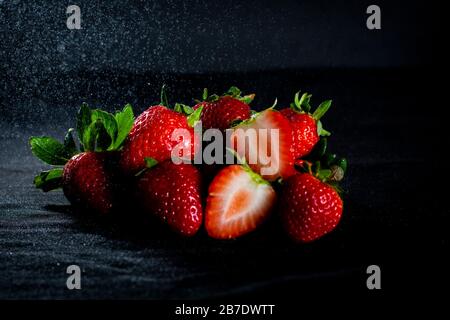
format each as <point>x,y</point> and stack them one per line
<point>89,178</point>
<point>306,127</point>
<point>221,112</point>
<point>309,208</point>
<point>88,181</point>
<point>172,193</point>
<point>152,136</point>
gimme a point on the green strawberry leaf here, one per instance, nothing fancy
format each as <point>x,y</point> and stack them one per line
<point>324,174</point>
<point>194,117</point>
<point>296,106</point>
<point>342,162</point>
<point>304,102</point>
<point>124,120</point>
<point>69,143</point>
<point>103,141</point>
<point>301,104</point>
<point>109,125</point>
<point>321,110</point>
<point>150,162</point>
<point>233,91</point>
<point>49,180</point>
<point>183,109</point>
<point>95,137</point>
<point>205,94</point>
<point>248,98</point>
<point>83,122</point>
<point>49,150</point>
<point>321,131</point>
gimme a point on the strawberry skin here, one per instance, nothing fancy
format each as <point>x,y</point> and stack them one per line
<point>173,193</point>
<point>282,160</point>
<point>238,202</point>
<point>308,207</point>
<point>88,180</point>
<point>151,136</point>
<point>222,113</point>
<point>304,132</point>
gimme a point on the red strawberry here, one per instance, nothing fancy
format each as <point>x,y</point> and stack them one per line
<point>88,179</point>
<point>309,208</point>
<point>151,136</point>
<point>259,145</point>
<point>306,127</point>
<point>172,193</point>
<point>238,201</point>
<point>221,112</point>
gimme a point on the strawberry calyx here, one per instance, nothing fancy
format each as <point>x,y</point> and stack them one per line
<point>324,165</point>
<point>193,116</point>
<point>254,115</point>
<point>233,92</point>
<point>97,131</point>
<point>149,163</point>
<point>242,161</point>
<point>302,105</point>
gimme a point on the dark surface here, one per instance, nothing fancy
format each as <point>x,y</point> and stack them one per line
<point>389,131</point>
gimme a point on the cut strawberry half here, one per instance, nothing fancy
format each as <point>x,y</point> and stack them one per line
<point>265,141</point>
<point>238,202</point>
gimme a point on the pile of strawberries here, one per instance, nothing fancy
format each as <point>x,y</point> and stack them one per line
<point>120,160</point>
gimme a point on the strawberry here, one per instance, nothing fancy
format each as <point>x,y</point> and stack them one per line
<point>88,181</point>
<point>253,140</point>
<point>309,208</point>
<point>306,127</point>
<point>151,136</point>
<point>238,201</point>
<point>220,112</point>
<point>172,192</point>
<point>88,178</point>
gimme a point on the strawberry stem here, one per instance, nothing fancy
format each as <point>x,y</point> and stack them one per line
<point>163,96</point>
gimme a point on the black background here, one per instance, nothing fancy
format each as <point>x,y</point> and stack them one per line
<point>388,118</point>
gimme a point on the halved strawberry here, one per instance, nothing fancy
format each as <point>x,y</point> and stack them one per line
<point>238,201</point>
<point>265,142</point>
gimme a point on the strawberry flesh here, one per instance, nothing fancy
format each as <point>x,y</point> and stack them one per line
<point>259,147</point>
<point>238,202</point>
